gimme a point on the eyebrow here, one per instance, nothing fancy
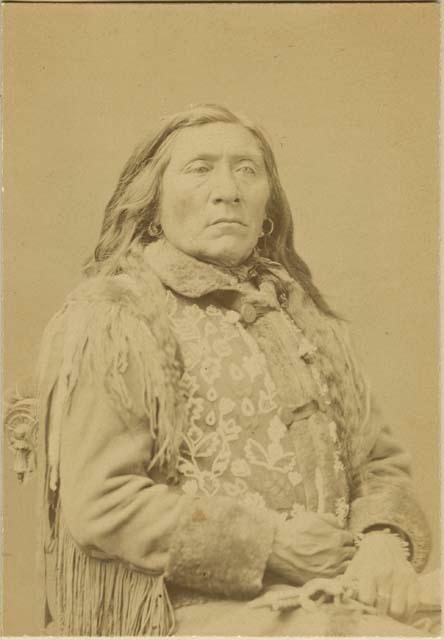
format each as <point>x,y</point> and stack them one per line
<point>211,157</point>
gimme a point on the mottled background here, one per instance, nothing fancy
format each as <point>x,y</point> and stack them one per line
<point>349,96</point>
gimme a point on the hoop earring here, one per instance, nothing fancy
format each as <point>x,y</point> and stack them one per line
<point>269,231</point>
<point>155,229</point>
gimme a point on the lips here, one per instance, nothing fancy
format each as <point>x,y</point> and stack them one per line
<point>228,221</point>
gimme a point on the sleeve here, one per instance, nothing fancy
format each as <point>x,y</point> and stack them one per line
<point>381,483</point>
<point>383,495</point>
<point>113,501</point>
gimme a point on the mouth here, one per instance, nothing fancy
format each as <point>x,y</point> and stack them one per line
<point>228,221</point>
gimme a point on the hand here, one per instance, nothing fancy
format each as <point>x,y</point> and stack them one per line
<point>310,546</point>
<point>383,577</point>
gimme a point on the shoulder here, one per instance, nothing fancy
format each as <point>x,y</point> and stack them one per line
<point>139,293</point>
<point>105,313</point>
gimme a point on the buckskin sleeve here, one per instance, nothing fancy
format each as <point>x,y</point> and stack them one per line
<point>383,495</point>
<point>114,507</point>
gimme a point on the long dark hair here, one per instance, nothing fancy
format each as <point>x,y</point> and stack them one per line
<point>134,203</point>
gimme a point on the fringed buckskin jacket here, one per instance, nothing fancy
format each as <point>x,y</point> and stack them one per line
<point>185,408</point>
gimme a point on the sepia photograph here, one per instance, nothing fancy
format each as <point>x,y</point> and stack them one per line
<point>221,386</point>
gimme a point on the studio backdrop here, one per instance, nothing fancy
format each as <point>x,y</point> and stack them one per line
<point>349,97</point>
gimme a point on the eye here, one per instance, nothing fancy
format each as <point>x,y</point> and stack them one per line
<point>199,168</point>
<point>247,169</point>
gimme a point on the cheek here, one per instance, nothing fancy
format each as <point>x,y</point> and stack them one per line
<point>171,209</point>
<point>180,219</point>
<point>181,202</point>
<point>258,204</point>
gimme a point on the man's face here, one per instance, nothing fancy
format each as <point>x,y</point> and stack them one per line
<point>214,193</point>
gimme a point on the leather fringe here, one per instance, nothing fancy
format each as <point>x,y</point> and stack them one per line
<point>98,597</point>
<point>106,323</point>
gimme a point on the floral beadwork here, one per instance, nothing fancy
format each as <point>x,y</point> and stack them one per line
<point>237,444</point>
<point>273,457</point>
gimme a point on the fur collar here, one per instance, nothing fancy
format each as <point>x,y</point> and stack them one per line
<point>258,280</point>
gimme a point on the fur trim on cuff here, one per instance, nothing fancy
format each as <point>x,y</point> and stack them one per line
<point>221,546</point>
<point>394,507</point>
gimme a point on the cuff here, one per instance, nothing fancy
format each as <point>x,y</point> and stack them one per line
<point>221,546</point>
<point>397,509</point>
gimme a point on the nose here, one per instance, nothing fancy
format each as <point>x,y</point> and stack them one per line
<point>225,188</point>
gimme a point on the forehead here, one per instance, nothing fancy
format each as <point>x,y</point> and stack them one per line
<point>217,138</point>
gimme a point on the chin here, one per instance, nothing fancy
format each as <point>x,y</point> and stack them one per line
<point>227,251</point>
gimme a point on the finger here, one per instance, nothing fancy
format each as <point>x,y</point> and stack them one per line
<point>367,590</point>
<point>384,592</point>
<point>398,600</point>
<point>383,602</point>
<point>351,586</point>
<point>413,596</point>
